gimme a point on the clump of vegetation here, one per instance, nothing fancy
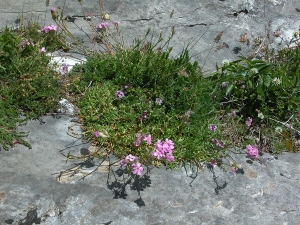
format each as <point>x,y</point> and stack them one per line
<point>29,88</point>
<point>141,91</point>
<point>265,90</point>
<point>148,108</point>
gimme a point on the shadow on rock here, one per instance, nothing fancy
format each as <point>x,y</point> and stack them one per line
<point>218,187</point>
<point>31,218</point>
<point>136,183</point>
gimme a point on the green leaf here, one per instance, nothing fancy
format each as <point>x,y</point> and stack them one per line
<point>217,67</point>
<point>267,81</point>
<point>229,89</point>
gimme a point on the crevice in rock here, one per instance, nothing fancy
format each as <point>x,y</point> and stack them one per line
<point>198,24</point>
<point>138,20</point>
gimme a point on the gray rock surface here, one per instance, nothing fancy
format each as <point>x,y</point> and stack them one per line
<point>193,20</point>
<point>38,186</point>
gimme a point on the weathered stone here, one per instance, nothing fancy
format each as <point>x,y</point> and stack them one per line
<point>197,23</point>
<point>31,192</point>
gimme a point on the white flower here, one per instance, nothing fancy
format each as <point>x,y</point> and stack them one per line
<point>260,115</point>
<point>276,81</point>
<point>254,70</point>
<point>278,129</point>
<point>225,62</point>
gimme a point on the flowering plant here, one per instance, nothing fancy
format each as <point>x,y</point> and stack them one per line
<point>49,28</point>
<point>251,151</point>
<point>162,150</point>
<point>262,85</point>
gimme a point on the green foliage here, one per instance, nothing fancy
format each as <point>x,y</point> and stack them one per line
<point>145,75</point>
<point>255,86</point>
<point>175,81</point>
<point>28,87</point>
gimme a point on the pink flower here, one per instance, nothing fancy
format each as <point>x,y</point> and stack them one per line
<point>217,143</point>
<point>24,43</point>
<point>42,49</point>
<point>63,69</point>
<point>212,163</point>
<point>130,158</point>
<point>143,116</point>
<point>119,94</point>
<point>163,149</point>
<point>53,27</point>
<point>123,162</point>
<point>169,143</point>
<point>158,101</point>
<point>116,23</point>
<point>214,141</point>
<point>233,170</point>
<point>212,127</point>
<point>47,29</point>
<point>54,14</point>
<point>148,139</point>
<point>157,154</point>
<point>137,141</point>
<point>96,134</point>
<point>251,151</point>
<point>137,168</point>
<point>249,122</point>
<point>102,25</point>
<point>220,144</point>
<point>233,113</point>
<point>169,157</point>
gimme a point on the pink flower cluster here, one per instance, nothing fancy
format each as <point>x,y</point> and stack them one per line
<point>158,101</point>
<point>233,113</point>
<point>119,94</point>
<point>96,134</point>
<point>218,143</point>
<point>144,137</point>
<point>212,127</point>
<point>24,43</point>
<point>213,163</point>
<point>249,122</point>
<point>47,29</point>
<point>63,69</point>
<point>102,25</point>
<point>143,116</point>
<point>251,151</point>
<point>135,165</point>
<point>163,149</point>
<point>116,23</point>
<point>42,50</point>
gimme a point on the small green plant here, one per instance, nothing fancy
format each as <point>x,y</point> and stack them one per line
<point>260,89</point>
<point>27,84</point>
<point>266,91</point>
<point>141,91</point>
